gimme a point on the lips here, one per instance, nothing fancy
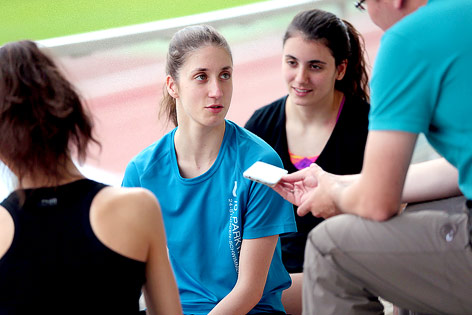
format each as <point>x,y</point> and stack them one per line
<point>216,108</point>
<point>301,92</point>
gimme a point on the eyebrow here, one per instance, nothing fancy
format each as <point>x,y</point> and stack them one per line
<point>309,61</point>
<point>206,69</point>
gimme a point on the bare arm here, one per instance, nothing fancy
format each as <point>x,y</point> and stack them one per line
<point>160,290</point>
<point>375,193</point>
<point>255,258</point>
<point>386,181</point>
<point>7,230</point>
<point>129,221</point>
<point>431,180</point>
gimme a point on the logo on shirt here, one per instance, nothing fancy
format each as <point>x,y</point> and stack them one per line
<point>48,202</point>
<point>235,237</point>
<point>235,187</point>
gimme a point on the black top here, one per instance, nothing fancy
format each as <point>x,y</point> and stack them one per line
<point>343,154</point>
<point>56,264</point>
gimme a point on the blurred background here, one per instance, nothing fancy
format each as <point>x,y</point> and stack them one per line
<point>114,53</point>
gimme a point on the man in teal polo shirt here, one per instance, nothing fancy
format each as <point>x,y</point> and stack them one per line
<point>418,260</point>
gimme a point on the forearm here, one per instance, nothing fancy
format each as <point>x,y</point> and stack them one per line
<point>355,198</point>
<point>255,258</point>
<point>238,302</point>
<point>353,194</point>
<point>431,180</point>
<point>425,181</point>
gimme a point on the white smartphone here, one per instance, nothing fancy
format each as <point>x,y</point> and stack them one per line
<point>264,173</point>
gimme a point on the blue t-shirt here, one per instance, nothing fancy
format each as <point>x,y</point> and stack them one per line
<point>421,81</point>
<point>207,217</point>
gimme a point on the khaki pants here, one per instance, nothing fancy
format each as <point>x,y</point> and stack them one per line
<point>420,260</point>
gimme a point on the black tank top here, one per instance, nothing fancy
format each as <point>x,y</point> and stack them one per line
<point>56,264</point>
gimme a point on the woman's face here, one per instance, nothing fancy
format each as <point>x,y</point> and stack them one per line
<point>204,87</point>
<point>309,71</point>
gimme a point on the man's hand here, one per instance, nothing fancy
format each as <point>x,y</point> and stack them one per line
<point>307,190</point>
<point>319,201</point>
<point>295,187</point>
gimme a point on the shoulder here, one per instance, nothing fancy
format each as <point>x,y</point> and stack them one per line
<point>357,108</point>
<point>130,209</point>
<point>118,200</point>
<point>155,150</point>
<point>253,148</point>
<point>150,156</point>
<point>267,114</point>
<point>125,220</point>
<point>270,108</point>
<point>7,228</point>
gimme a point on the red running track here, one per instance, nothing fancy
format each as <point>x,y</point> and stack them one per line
<point>123,89</point>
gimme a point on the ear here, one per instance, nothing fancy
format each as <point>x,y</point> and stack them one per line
<point>398,4</point>
<point>171,86</point>
<point>341,68</point>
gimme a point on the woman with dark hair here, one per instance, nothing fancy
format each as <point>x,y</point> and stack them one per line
<point>222,229</point>
<point>69,244</point>
<point>323,119</point>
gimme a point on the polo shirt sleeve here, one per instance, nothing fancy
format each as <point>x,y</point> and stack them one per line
<point>267,212</point>
<point>402,86</point>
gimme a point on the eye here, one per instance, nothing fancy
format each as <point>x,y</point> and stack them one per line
<point>225,76</point>
<point>291,63</point>
<point>201,77</point>
<point>315,66</point>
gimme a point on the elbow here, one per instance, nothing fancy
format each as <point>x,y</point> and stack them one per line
<point>256,296</point>
<point>379,211</point>
<point>381,215</point>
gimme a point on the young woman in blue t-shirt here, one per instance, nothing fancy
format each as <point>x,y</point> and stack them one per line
<point>222,229</point>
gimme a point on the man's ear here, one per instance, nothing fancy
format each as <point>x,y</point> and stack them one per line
<point>398,4</point>
<point>341,68</point>
<point>171,86</point>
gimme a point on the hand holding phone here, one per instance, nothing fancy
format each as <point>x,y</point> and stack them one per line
<point>264,173</point>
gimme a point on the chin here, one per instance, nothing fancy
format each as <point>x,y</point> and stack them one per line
<point>215,122</point>
<point>301,101</point>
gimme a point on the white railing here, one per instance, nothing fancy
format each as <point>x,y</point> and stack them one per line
<point>82,44</point>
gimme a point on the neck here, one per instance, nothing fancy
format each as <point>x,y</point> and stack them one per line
<point>69,174</point>
<point>197,148</point>
<point>411,6</point>
<point>401,9</point>
<point>320,113</point>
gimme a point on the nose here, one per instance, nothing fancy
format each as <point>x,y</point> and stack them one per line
<point>302,75</point>
<point>215,89</point>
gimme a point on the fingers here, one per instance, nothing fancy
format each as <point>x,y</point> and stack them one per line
<point>282,188</point>
<point>303,209</point>
<point>286,191</point>
<point>297,176</point>
<point>279,188</point>
<point>315,169</point>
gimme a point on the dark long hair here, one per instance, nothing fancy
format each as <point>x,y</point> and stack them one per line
<point>183,43</point>
<point>344,42</point>
<point>41,115</point>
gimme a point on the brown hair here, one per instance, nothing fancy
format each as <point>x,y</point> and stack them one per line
<point>344,42</point>
<point>183,43</point>
<point>41,115</point>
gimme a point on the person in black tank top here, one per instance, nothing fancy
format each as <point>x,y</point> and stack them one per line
<point>69,245</point>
